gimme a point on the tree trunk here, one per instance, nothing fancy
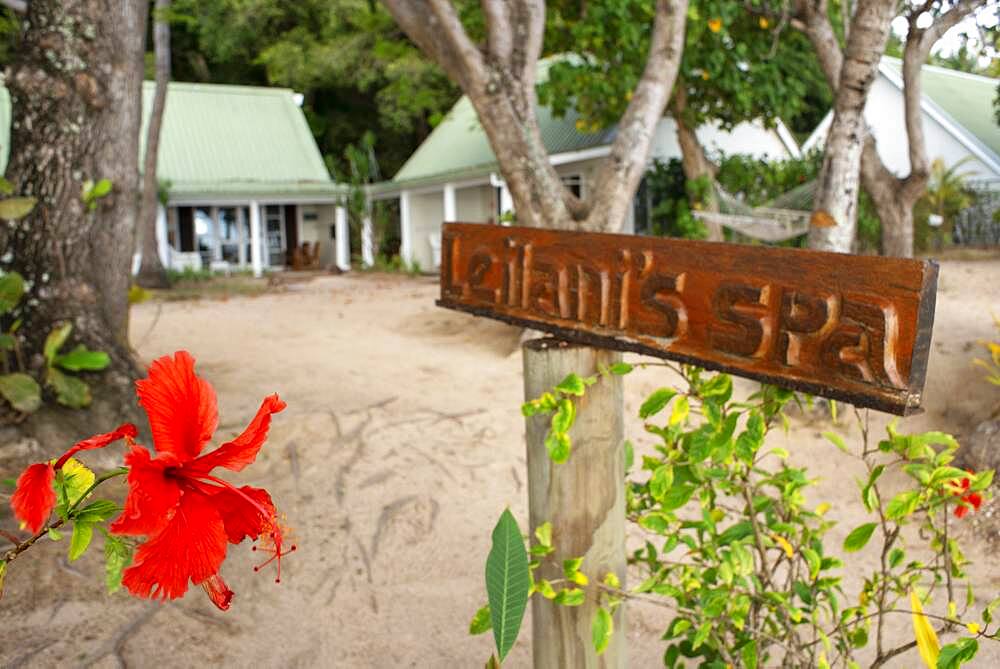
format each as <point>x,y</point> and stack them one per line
<point>835,211</point>
<point>694,160</point>
<point>499,79</point>
<point>76,92</point>
<point>151,272</point>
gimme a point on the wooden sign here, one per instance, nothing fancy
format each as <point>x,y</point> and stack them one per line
<point>851,328</point>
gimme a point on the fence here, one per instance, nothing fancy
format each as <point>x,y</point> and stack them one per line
<point>976,225</point>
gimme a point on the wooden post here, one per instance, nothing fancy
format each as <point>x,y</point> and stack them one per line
<point>584,499</point>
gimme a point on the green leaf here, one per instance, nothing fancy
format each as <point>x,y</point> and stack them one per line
<point>75,478</point>
<point>677,496</point>
<point>55,340</point>
<point>507,582</point>
<point>481,622</point>
<point>570,597</point>
<point>902,505</point>
<point>837,441</point>
<point>100,189</point>
<point>11,291</point>
<point>571,385</point>
<point>117,556</point>
<point>70,391</point>
<point>701,635</point>
<point>54,535</point>
<point>661,481</point>
<point>544,534</point>
<point>22,391</point>
<point>681,410</point>
<point>601,629</point>
<point>7,342</point>
<point>719,387</point>
<point>97,511</point>
<point>858,537</point>
<point>15,208</point>
<point>82,534</point>
<point>655,402</point>
<point>81,359</point>
<point>562,419</point>
<point>629,455</point>
<point>558,445</point>
<point>954,655</point>
<point>749,654</point>
<point>620,368</point>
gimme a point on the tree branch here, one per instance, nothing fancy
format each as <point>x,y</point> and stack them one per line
<point>623,168</point>
<point>499,43</point>
<point>19,6</point>
<point>947,21</point>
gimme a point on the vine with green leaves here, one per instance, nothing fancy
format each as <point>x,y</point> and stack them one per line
<point>735,552</point>
<point>21,390</point>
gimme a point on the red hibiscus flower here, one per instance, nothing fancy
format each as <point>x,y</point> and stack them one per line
<point>972,500</point>
<point>185,512</point>
<point>34,498</point>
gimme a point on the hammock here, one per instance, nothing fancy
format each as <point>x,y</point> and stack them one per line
<point>785,217</point>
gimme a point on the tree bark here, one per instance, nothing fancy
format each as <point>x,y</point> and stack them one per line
<point>894,197</point>
<point>834,221</point>
<point>694,160</point>
<point>499,80</point>
<point>151,271</point>
<point>849,150</point>
<point>76,92</point>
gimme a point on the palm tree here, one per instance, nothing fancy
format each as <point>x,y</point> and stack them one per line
<point>947,195</point>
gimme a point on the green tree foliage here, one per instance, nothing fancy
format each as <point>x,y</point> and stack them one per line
<point>736,67</point>
<point>356,69</point>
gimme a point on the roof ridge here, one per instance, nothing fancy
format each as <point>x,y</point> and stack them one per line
<point>200,86</point>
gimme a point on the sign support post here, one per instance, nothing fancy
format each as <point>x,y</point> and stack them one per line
<point>583,498</point>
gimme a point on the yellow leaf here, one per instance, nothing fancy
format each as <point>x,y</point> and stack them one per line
<point>952,610</point>
<point>822,509</point>
<point>973,628</point>
<point>787,547</point>
<point>715,25</point>
<point>927,641</point>
<point>763,23</point>
<point>78,479</point>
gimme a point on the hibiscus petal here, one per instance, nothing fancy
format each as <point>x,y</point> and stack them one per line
<point>99,441</point>
<point>191,547</point>
<point>34,497</point>
<point>152,497</point>
<point>241,518</point>
<point>242,450</point>
<point>218,591</point>
<point>181,406</point>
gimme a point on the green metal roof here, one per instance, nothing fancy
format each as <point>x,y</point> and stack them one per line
<point>227,140</point>
<point>458,145</point>
<point>966,98</point>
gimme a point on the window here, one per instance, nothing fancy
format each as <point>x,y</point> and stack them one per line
<point>575,184</point>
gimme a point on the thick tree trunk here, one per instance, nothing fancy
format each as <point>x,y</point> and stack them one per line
<point>76,92</point>
<point>151,272</point>
<point>834,222</point>
<point>499,79</point>
<point>694,160</point>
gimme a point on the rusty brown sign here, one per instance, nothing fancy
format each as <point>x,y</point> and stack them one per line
<point>851,328</point>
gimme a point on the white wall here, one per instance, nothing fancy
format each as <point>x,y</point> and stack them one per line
<point>884,113</point>
<point>474,204</point>
<point>319,231</point>
<point>426,214</point>
<point>746,138</point>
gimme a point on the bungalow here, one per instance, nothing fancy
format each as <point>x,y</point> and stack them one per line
<point>245,184</point>
<point>957,112</point>
<point>453,175</point>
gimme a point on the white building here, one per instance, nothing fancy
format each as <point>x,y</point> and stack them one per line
<point>958,119</point>
<point>453,175</point>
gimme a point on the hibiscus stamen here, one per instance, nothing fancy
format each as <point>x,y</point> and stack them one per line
<point>271,542</point>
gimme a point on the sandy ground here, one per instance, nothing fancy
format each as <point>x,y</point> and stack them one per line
<point>401,444</point>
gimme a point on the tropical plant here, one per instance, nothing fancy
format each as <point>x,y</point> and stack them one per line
<point>741,557</point>
<point>947,195</point>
